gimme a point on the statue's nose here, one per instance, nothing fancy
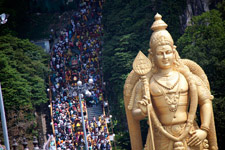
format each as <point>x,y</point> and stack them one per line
<point>164,55</point>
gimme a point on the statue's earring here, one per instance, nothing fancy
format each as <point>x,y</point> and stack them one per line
<point>150,56</point>
<point>149,53</point>
<point>176,55</point>
<point>154,68</point>
<point>174,47</point>
<point>153,63</point>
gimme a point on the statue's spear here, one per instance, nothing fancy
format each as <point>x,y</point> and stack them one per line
<point>142,65</point>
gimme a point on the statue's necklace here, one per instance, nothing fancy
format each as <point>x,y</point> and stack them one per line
<point>172,99</point>
<point>168,88</point>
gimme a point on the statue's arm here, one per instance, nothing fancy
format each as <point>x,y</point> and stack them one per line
<point>205,114</point>
<point>137,112</point>
<point>205,104</point>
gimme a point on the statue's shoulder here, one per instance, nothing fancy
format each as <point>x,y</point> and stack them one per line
<point>197,71</point>
<point>200,79</point>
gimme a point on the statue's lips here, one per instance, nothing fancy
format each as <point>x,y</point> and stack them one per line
<point>165,61</point>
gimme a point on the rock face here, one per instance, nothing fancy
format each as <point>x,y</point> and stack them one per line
<point>193,8</point>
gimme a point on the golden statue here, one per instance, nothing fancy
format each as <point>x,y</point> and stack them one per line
<point>168,90</point>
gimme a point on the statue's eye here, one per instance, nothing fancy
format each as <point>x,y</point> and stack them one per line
<point>168,52</point>
<point>159,53</point>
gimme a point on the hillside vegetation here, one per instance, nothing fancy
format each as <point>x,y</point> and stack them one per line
<point>23,70</point>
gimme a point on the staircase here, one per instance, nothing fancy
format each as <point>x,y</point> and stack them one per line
<point>94,111</point>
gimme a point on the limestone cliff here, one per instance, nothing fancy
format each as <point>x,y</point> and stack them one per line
<point>194,8</point>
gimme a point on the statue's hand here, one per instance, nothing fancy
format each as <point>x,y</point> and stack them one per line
<point>197,137</point>
<point>143,106</point>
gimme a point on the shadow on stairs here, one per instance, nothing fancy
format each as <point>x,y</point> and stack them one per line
<point>94,111</point>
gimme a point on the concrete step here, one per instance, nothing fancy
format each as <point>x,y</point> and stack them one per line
<point>94,111</point>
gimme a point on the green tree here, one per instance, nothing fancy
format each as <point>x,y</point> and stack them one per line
<point>30,62</point>
<point>15,89</point>
<point>23,71</point>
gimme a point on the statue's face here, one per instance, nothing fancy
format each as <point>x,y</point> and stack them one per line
<point>164,57</point>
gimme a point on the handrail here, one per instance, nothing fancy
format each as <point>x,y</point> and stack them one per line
<point>50,99</point>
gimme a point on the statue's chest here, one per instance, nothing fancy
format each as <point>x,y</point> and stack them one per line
<point>169,94</point>
<point>168,87</point>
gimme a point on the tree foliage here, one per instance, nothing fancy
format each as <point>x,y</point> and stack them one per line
<point>23,71</point>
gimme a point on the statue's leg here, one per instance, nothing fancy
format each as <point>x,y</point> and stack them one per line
<point>162,142</point>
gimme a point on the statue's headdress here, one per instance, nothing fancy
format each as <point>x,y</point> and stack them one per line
<point>160,36</point>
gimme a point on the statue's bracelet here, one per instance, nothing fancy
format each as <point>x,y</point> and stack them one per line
<point>144,114</point>
<point>204,128</point>
<point>189,123</point>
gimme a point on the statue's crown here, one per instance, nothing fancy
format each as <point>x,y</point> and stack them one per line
<point>160,36</point>
<point>158,24</point>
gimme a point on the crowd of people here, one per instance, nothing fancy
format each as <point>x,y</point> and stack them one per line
<point>98,137</point>
<point>76,57</point>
